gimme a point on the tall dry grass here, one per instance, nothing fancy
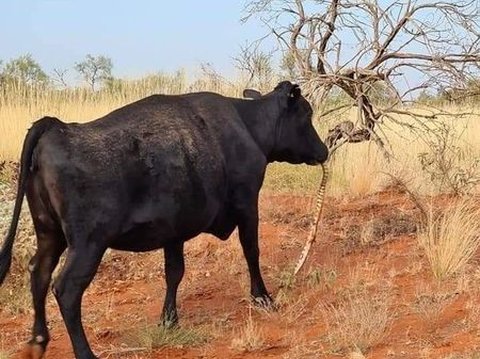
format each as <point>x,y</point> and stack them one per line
<point>21,105</point>
<point>357,323</point>
<point>358,169</point>
<point>451,238</point>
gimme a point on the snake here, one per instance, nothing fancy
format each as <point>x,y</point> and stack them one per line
<point>317,214</point>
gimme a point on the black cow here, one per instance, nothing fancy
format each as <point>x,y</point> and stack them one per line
<point>150,175</point>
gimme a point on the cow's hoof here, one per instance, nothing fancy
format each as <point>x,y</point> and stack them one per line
<point>32,351</point>
<point>265,302</point>
<point>169,323</point>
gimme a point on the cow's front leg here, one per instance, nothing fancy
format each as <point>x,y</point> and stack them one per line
<point>174,269</point>
<point>248,231</point>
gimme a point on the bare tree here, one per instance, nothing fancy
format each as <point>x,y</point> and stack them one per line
<point>209,80</point>
<point>369,47</point>
<point>257,65</point>
<point>95,69</point>
<point>59,77</point>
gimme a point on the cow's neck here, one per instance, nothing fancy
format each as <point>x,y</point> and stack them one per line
<point>260,117</point>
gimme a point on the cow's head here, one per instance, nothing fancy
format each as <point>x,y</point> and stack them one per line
<point>295,139</point>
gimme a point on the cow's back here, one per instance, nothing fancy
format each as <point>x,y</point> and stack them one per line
<point>158,162</point>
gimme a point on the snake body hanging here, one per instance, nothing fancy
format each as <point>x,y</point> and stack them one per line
<point>316,219</point>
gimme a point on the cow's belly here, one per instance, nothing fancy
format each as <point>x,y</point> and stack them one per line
<point>154,224</point>
<point>143,238</point>
<point>223,225</point>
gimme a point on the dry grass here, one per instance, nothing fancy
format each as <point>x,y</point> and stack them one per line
<point>321,277</point>
<point>21,105</point>
<point>293,308</point>
<point>357,169</point>
<point>3,353</point>
<point>249,337</point>
<point>284,277</point>
<point>472,319</point>
<point>451,238</point>
<point>15,295</point>
<point>430,303</point>
<point>472,355</point>
<point>364,177</point>
<point>357,323</point>
<point>150,337</point>
<point>302,350</point>
<point>360,278</point>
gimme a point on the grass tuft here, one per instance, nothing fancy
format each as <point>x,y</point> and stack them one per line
<point>150,337</point>
<point>322,277</point>
<point>430,304</point>
<point>249,338</point>
<point>451,238</point>
<point>357,323</point>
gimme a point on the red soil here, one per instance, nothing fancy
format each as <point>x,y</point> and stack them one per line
<point>128,290</point>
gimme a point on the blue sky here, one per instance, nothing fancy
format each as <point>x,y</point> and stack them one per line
<point>142,36</point>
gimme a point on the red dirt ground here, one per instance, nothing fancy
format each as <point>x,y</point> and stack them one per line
<point>427,320</point>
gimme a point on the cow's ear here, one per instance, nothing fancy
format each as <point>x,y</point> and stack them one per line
<point>295,92</point>
<point>250,93</point>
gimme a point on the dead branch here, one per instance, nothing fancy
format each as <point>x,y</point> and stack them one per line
<point>381,55</point>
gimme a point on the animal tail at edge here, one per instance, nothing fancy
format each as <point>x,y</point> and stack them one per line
<point>33,135</point>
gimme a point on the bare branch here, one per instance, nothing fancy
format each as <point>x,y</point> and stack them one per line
<point>381,55</point>
<point>59,77</point>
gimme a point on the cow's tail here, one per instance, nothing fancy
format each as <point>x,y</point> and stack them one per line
<point>33,135</point>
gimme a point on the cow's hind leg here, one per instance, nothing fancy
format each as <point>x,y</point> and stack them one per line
<point>174,269</point>
<point>79,269</point>
<point>51,245</point>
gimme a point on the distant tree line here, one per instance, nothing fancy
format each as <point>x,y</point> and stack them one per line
<point>469,94</point>
<point>258,67</point>
<point>24,70</point>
